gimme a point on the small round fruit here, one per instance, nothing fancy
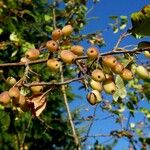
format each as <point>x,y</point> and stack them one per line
<point>53,64</point>
<point>92,52</point>
<point>126,74</point>
<point>109,61</point>
<point>142,72</point>
<point>52,46</point>
<point>94,97</point>
<point>24,60</point>
<point>22,100</point>
<point>11,80</point>
<point>57,34</point>
<point>32,54</point>
<point>37,89</point>
<point>14,93</point>
<point>118,68</point>
<point>109,86</point>
<point>147,54</point>
<point>67,56</point>
<point>67,30</point>
<point>98,75</point>
<point>77,50</point>
<point>96,85</point>
<point>4,98</point>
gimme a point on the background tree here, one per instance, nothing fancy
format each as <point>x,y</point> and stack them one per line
<point>41,54</point>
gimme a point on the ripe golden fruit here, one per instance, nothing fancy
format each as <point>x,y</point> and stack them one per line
<point>4,98</point>
<point>37,89</point>
<point>32,54</point>
<point>92,52</point>
<point>67,56</point>
<point>67,30</point>
<point>94,97</point>
<point>118,68</point>
<point>109,61</point>
<point>77,50</point>
<point>14,93</point>
<point>142,72</point>
<point>52,46</point>
<point>22,100</point>
<point>147,54</point>
<point>109,86</point>
<point>53,64</point>
<point>96,85</point>
<point>56,34</point>
<point>126,74</point>
<point>11,80</point>
<point>98,75</point>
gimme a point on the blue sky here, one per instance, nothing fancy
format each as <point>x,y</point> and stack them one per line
<point>103,10</point>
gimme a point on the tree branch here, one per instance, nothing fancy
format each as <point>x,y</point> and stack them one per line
<point>23,63</point>
<point>121,51</point>
<point>53,83</point>
<point>76,140</point>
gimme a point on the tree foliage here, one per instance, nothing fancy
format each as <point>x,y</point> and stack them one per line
<point>40,117</point>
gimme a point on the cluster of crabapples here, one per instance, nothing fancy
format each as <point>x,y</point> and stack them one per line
<point>101,78</point>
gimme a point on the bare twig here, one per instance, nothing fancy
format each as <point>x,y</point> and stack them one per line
<point>54,14</point>
<point>96,135</point>
<point>53,83</point>
<point>44,123</point>
<point>128,121</point>
<point>120,39</point>
<point>25,133</point>
<point>23,63</point>
<point>91,124</point>
<point>76,140</point>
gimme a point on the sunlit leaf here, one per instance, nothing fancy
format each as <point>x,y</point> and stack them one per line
<point>120,87</point>
<point>13,37</point>
<point>140,22</point>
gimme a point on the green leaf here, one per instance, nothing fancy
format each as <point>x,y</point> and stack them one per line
<point>120,87</point>
<point>13,37</point>
<point>1,31</point>
<point>113,17</point>
<point>140,22</point>
<point>115,29</point>
<point>123,17</point>
<point>47,18</point>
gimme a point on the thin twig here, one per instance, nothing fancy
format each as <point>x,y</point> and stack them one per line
<point>120,39</point>
<point>76,140</point>
<point>96,135</point>
<point>54,14</point>
<point>53,83</point>
<point>128,121</point>
<point>25,133</point>
<point>44,123</point>
<point>91,124</point>
<point>23,63</point>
